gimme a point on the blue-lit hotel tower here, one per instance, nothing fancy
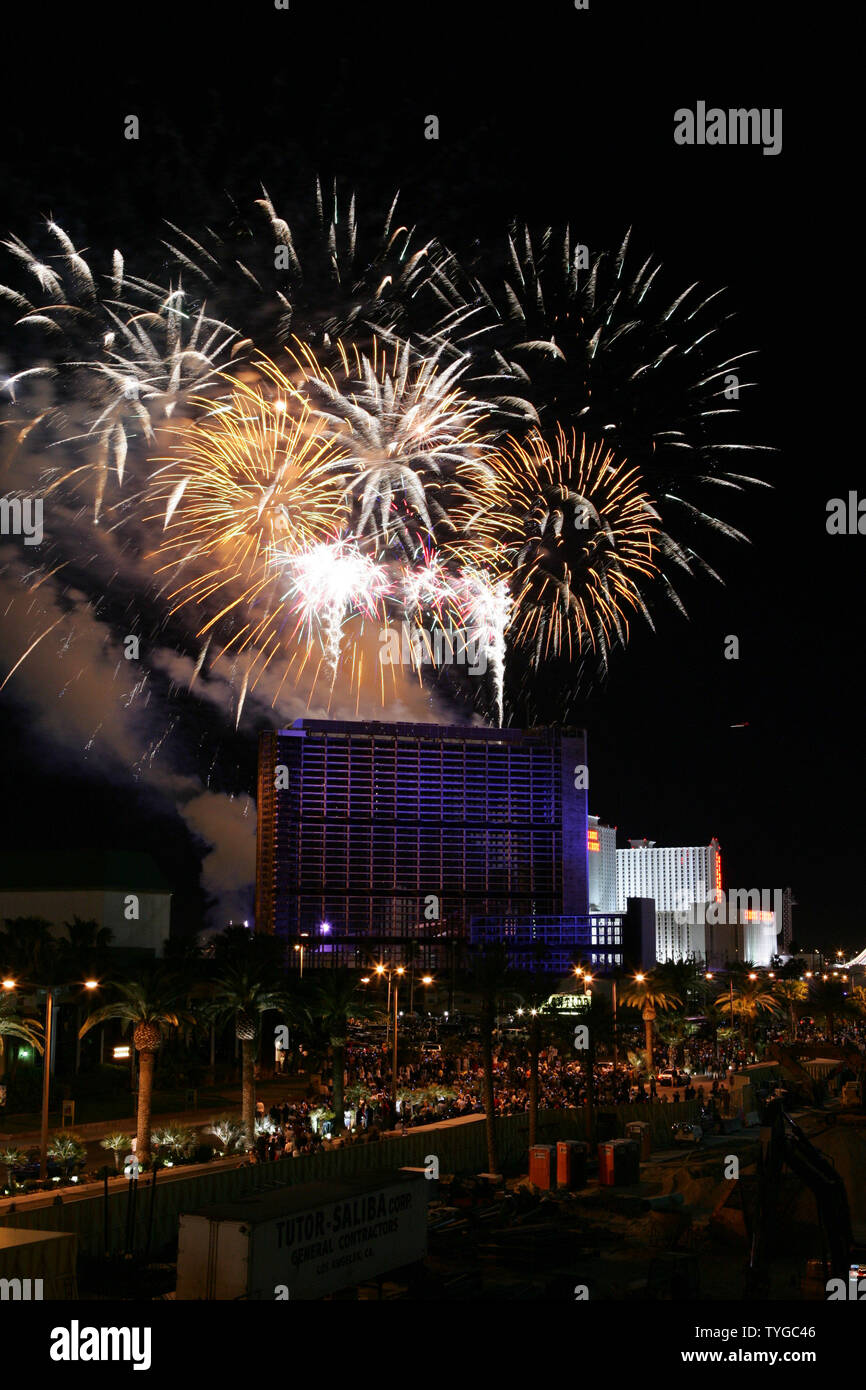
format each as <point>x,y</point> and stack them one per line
<point>372,836</point>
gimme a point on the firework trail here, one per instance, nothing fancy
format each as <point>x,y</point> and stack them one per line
<point>486,605</point>
<point>327,582</point>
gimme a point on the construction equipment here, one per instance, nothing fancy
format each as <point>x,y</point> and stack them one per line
<point>783,1143</point>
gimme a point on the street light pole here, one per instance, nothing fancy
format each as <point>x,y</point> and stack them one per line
<point>46,1085</point>
<point>399,971</point>
<point>46,1076</point>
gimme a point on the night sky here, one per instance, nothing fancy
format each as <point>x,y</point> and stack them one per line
<point>549,114</point>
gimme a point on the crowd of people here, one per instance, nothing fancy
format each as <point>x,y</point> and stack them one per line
<point>444,1086</point>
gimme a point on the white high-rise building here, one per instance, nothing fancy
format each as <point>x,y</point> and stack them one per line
<point>694,915</point>
<point>675,877</point>
<point>601,859</point>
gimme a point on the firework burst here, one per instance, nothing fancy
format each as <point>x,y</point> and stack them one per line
<point>115,357</point>
<point>444,447</point>
<point>415,442</point>
<point>254,479</point>
<point>318,275</point>
<point>581,539</point>
<point>591,343</point>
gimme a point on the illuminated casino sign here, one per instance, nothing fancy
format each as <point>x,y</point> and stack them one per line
<point>594,845</point>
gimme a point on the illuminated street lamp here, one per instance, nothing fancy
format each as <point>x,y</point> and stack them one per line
<point>398,972</point>
<point>301,948</point>
<point>46,1072</point>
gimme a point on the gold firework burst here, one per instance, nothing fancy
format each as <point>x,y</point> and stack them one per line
<point>581,534</point>
<point>255,478</point>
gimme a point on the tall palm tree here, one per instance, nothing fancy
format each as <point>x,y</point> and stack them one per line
<point>495,982</point>
<point>791,993</point>
<point>686,979</point>
<point>829,1000</point>
<point>335,998</point>
<point>534,992</point>
<point>747,1000</point>
<point>14,1025</point>
<point>11,1157</point>
<point>83,955</point>
<point>151,1006</point>
<point>652,995</point>
<point>597,1018</point>
<point>242,991</point>
<point>28,950</point>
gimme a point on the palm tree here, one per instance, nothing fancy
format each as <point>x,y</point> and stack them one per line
<point>673,1033</point>
<point>116,1144</point>
<point>13,1025</point>
<point>495,982</point>
<point>242,991</point>
<point>335,999</point>
<point>81,957</point>
<point>231,1132</point>
<point>791,993</point>
<point>11,1157</point>
<point>748,999</point>
<point>830,1002</point>
<point>652,995</point>
<point>68,1149</point>
<point>534,995</point>
<point>686,979</point>
<point>28,950</point>
<point>151,1007</point>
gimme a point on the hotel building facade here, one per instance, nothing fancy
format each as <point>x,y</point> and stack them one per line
<point>372,836</point>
